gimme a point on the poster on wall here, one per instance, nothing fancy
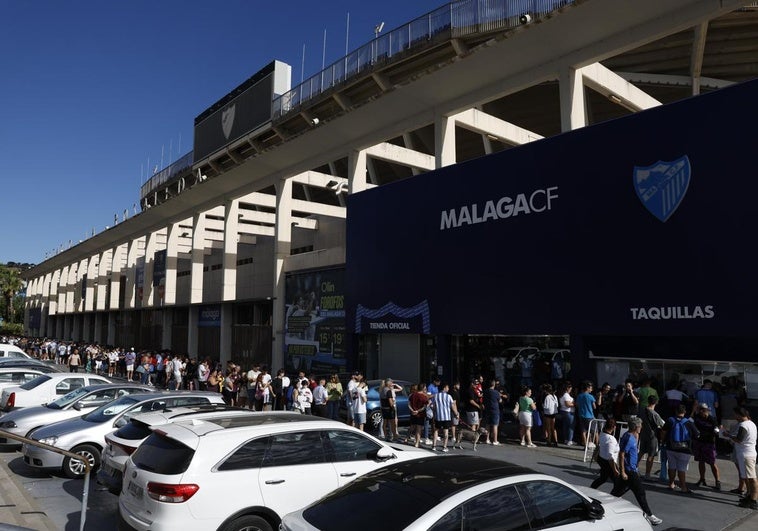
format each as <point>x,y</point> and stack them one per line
<point>159,274</point>
<point>314,323</point>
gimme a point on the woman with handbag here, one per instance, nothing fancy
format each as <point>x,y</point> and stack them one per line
<point>524,407</point>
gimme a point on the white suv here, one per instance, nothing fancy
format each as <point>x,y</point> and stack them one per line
<point>244,472</point>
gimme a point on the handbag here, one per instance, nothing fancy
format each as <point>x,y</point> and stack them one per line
<point>429,412</point>
<point>536,418</point>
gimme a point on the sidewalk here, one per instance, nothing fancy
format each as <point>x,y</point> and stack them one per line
<point>17,507</point>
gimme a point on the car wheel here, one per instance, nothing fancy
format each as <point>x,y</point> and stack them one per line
<point>249,522</point>
<point>73,468</point>
<point>374,421</point>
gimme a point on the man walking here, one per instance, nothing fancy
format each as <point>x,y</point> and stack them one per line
<point>745,454</point>
<point>678,433</point>
<point>444,410</point>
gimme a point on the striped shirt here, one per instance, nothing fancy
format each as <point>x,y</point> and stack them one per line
<point>442,403</point>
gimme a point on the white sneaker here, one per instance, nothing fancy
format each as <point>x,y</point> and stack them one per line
<point>590,445</point>
<point>570,443</point>
<point>496,443</point>
<point>428,441</point>
<point>531,445</point>
<point>523,443</point>
<point>654,520</point>
<point>489,442</point>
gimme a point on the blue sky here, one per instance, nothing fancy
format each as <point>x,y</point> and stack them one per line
<point>90,91</point>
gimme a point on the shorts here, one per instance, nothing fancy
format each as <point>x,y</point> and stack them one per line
<point>678,461</point>
<point>493,418</point>
<point>130,367</point>
<point>648,446</point>
<point>417,421</point>
<point>746,466</point>
<point>584,422</point>
<point>704,452</point>
<point>525,418</point>
<point>472,418</point>
<point>443,424</point>
<point>359,418</point>
<point>389,413</point>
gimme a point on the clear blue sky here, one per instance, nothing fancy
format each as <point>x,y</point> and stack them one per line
<point>92,90</point>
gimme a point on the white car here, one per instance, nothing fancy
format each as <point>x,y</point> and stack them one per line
<point>12,351</point>
<point>86,435</point>
<point>74,404</point>
<point>244,473</point>
<point>122,443</point>
<point>46,388</point>
<point>467,492</point>
<point>15,376</point>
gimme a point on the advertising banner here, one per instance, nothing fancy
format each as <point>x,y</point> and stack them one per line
<point>315,338</point>
<point>209,316</point>
<point>637,226</point>
<point>159,274</point>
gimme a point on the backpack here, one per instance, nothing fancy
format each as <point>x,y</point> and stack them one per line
<point>679,438</point>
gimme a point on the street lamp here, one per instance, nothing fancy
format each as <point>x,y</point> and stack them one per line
<point>377,30</point>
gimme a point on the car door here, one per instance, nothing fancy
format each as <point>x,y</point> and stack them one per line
<point>65,385</point>
<point>352,454</point>
<point>551,505</point>
<point>499,509</point>
<point>295,471</point>
<point>100,397</point>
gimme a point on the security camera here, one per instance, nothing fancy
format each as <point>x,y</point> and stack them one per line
<point>525,18</point>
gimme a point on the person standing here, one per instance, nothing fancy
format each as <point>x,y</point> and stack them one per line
<point>567,409</point>
<point>549,412</point>
<point>630,402</point>
<point>444,410</point>
<point>358,404</point>
<point>645,392</point>
<point>678,433</point>
<point>629,477</point>
<point>745,455</point>
<point>129,358</point>
<point>472,407</point>
<point>74,361</point>
<point>202,374</point>
<point>607,455</point>
<point>334,392</point>
<point>388,401</point>
<point>492,401</point>
<point>524,408</point>
<point>704,445</point>
<point>417,403</point>
<point>651,425</point>
<point>320,397</point>
<point>585,405</point>
<point>706,395</point>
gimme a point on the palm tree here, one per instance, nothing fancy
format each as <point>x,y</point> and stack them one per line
<point>10,284</point>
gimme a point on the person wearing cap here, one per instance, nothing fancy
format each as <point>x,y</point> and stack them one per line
<point>704,445</point>
<point>629,478</point>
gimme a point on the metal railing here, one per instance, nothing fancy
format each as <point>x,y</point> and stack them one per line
<point>87,467</point>
<point>457,19</point>
<point>166,174</point>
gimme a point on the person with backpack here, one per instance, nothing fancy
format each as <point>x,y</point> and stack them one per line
<point>678,433</point>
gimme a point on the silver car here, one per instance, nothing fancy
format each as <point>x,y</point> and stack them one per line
<point>86,435</point>
<point>71,405</point>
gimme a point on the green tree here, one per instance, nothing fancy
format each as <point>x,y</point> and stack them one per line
<point>10,284</point>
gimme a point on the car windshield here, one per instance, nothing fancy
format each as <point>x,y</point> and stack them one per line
<point>39,380</point>
<point>111,409</point>
<point>68,398</point>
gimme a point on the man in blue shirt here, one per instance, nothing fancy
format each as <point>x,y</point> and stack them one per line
<point>708,396</point>
<point>629,478</point>
<point>585,407</point>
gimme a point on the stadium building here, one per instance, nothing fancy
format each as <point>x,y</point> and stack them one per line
<point>489,179</point>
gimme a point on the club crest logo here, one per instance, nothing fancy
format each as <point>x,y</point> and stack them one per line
<point>662,186</point>
<point>227,120</point>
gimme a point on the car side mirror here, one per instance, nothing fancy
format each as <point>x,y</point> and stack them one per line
<point>384,454</point>
<point>595,510</point>
<point>77,406</point>
<point>120,423</point>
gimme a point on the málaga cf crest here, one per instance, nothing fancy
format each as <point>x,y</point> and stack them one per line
<point>227,120</point>
<point>662,186</point>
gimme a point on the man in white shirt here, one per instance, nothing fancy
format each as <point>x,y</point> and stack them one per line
<point>745,455</point>
<point>358,404</point>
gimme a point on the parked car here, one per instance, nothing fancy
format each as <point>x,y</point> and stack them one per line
<point>244,473</point>
<point>70,405</point>
<point>14,376</point>
<point>374,406</point>
<point>46,388</point>
<point>122,443</point>
<point>467,492</point>
<point>12,351</point>
<point>86,435</point>
<point>7,363</point>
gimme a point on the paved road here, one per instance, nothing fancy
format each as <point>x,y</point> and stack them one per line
<point>708,510</point>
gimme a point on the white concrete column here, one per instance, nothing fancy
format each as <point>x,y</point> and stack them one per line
<point>198,259</point>
<point>444,141</point>
<point>282,249</point>
<point>148,293</point>
<point>54,290</point>
<point>117,263</point>
<point>134,252</point>
<point>229,260</point>
<point>356,171</point>
<point>105,262</point>
<point>573,107</point>
<point>45,304</point>
<point>89,289</point>
<point>172,253</point>
<point>70,287</point>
